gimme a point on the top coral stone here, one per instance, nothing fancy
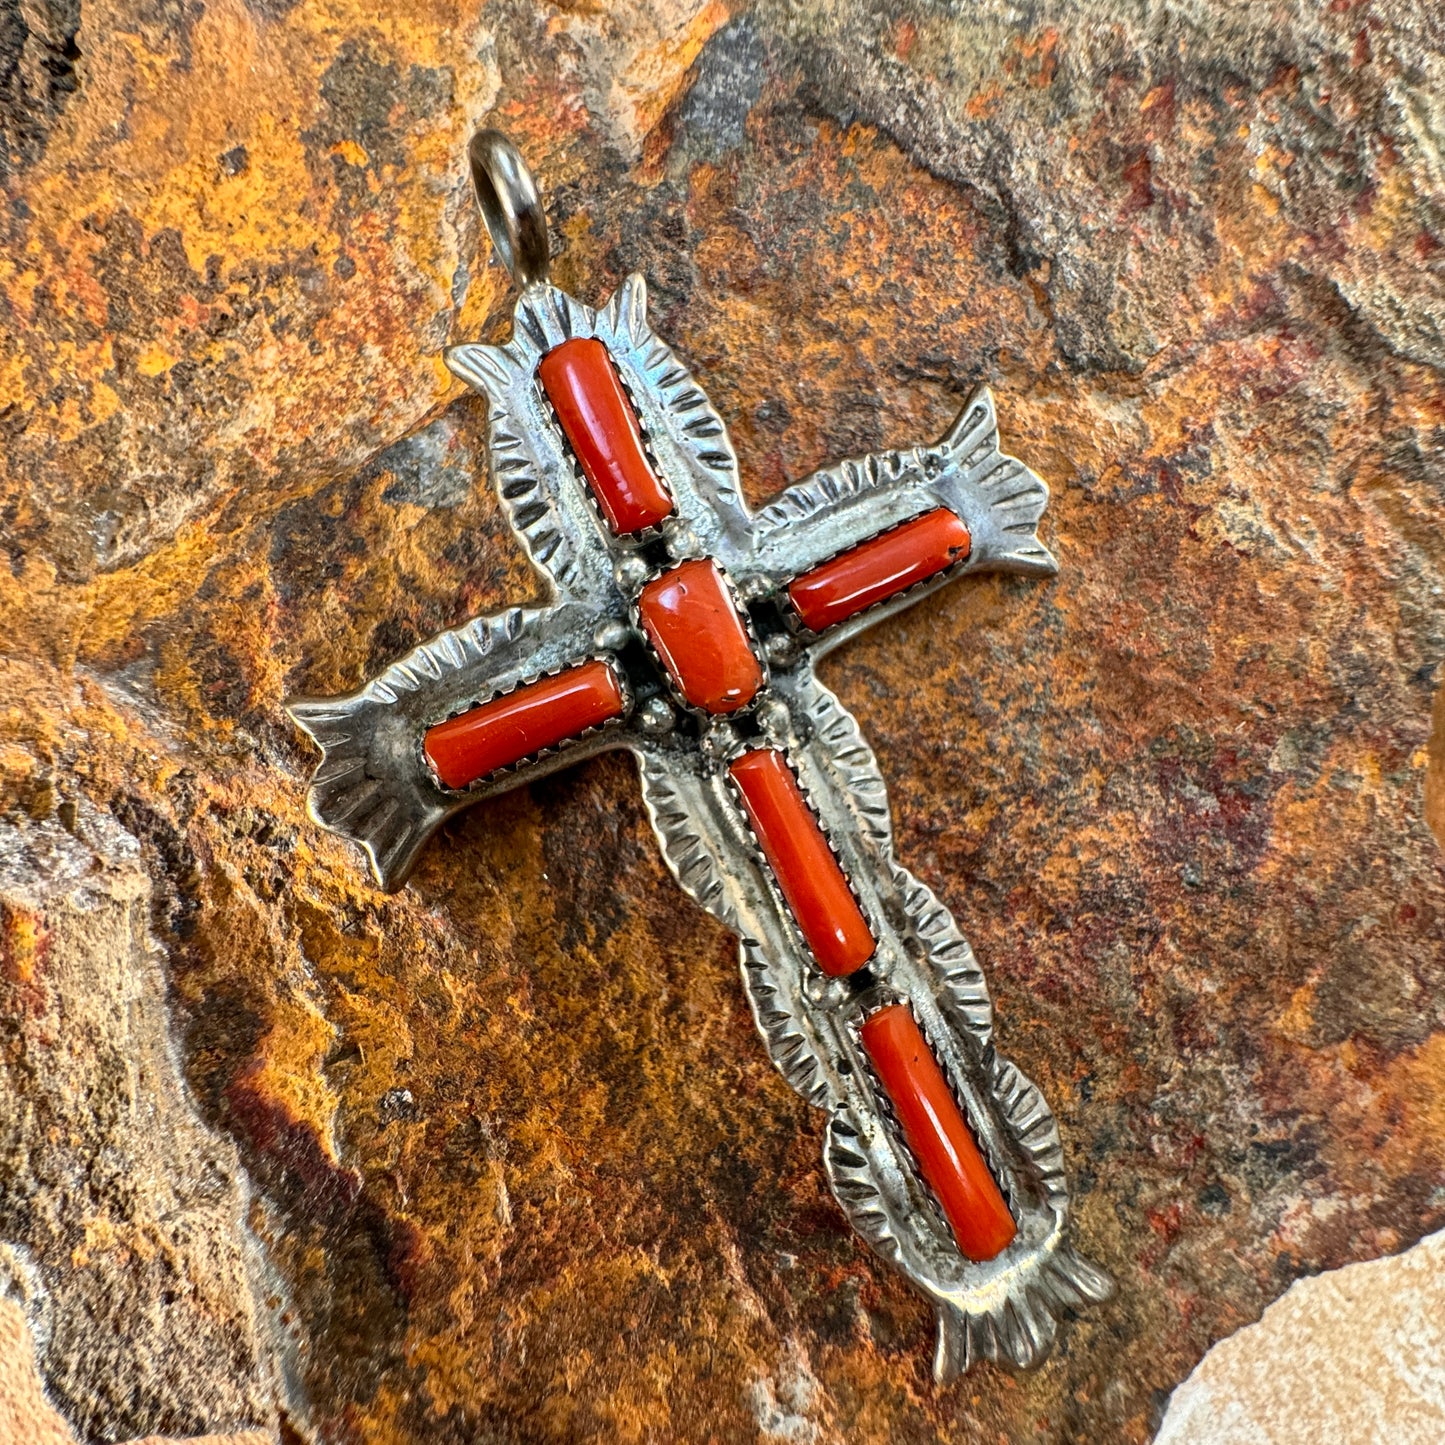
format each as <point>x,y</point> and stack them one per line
<point>597,417</point>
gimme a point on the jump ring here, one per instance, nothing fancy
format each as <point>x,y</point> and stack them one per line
<point>510,205</point>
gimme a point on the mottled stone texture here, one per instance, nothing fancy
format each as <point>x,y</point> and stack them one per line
<point>121,1216</point>
<point>1354,1354</point>
<point>521,1170</point>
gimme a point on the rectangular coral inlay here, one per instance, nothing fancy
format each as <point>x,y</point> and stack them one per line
<point>873,571</point>
<point>520,723</point>
<point>583,386</point>
<point>693,623</point>
<point>807,872</point>
<point>937,1133</point>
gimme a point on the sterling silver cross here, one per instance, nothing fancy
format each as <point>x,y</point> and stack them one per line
<point>686,629</point>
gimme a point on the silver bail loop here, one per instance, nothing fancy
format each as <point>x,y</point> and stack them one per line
<point>510,205</point>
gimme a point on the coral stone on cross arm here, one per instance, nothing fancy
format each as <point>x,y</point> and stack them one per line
<point>695,627</point>
<point>597,417</point>
<point>521,723</point>
<point>879,569</point>
<point>937,1133</point>
<point>807,872</point>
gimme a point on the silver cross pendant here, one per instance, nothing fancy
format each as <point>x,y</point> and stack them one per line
<point>686,629</point>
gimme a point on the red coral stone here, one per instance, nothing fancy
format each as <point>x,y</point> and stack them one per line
<point>691,620</point>
<point>937,1133</point>
<point>874,571</point>
<point>583,387</point>
<point>520,723</point>
<point>807,872</point>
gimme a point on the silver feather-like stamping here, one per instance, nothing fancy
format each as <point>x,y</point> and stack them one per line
<point>375,787</point>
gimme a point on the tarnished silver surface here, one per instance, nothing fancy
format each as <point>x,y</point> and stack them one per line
<point>374,787</point>
<point>508,200</point>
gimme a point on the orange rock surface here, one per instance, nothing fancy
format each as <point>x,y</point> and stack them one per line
<point>515,1160</point>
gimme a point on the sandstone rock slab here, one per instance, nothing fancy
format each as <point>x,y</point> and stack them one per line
<point>521,1166</point>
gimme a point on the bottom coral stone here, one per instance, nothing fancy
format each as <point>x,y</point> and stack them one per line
<point>937,1133</point>
<point>520,723</point>
<point>807,872</point>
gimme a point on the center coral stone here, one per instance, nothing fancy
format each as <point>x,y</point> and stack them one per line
<point>695,627</point>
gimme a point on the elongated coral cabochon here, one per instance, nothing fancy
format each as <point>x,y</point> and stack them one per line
<point>479,742</point>
<point>598,420</point>
<point>937,1133</point>
<point>809,876</point>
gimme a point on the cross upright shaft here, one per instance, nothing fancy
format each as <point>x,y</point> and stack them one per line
<point>686,629</point>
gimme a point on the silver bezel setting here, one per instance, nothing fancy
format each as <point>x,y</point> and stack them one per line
<point>374,787</point>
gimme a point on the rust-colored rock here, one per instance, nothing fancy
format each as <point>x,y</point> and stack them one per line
<point>516,1163</point>
<point>122,1217</point>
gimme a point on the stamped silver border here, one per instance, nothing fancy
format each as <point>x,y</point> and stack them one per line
<point>373,788</point>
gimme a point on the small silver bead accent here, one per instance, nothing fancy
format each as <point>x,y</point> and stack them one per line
<point>656,716</point>
<point>754,588</point>
<point>630,573</point>
<point>679,539</point>
<point>830,993</point>
<point>612,635</point>
<point>720,741</point>
<point>774,719</point>
<point>781,649</point>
